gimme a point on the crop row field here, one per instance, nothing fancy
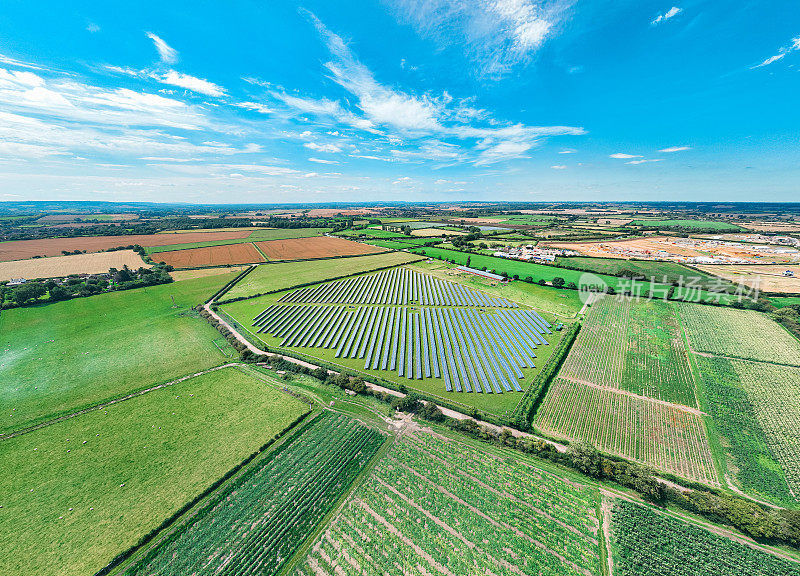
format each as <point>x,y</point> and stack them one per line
<point>634,345</point>
<point>661,271</point>
<point>256,235</point>
<point>439,506</point>
<point>646,542</point>
<point>738,333</point>
<point>24,249</point>
<point>732,404</point>
<point>255,524</point>
<point>399,286</point>
<point>665,437</point>
<point>60,266</point>
<point>283,275</point>
<point>78,492</point>
<point>471,350</point>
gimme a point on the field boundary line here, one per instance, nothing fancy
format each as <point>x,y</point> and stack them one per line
<point>107,403</point>
<point>621,392</point>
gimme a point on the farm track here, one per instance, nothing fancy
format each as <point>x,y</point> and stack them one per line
<point>111,402</point>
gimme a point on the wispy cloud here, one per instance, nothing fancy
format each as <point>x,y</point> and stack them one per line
<point>92,27</point>
<point>327,148</point>
<point>167,53</point>
<point>559,167</point>
<point>172,78</point>
<point>426,122</point>
<point>675,149</point>
<point>623,156</point>
<point>644,161</point>
<point>322,161</point>
<point>567,151</point>
<point>782,52</point>
<point>669,14</point>
<point>496,35</point>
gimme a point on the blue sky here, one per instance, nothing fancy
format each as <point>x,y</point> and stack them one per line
<point>253,101</point>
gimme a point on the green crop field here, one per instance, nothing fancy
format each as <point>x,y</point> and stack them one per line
<point>738,333</point>
<point>438,506</point>
<point>282,275</point>
<point>409,329</point>
<point>782,301</point>
<point>257,522</point>
<point>734,391</point>
<point>370,232</point>
<point>633,345</point>
<point>689,225</point>
<point>666,272</point>
<point>256,236</point>
<point>665,437</point>
<point>61,357</point>
<point>78,492</point>
<point>645,542</point>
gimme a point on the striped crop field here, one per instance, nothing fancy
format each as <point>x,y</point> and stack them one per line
<point>633,345</point>
<point>254,525</point>
<point>416,325</point>
<point>665,437</point>
<point>437,506</point>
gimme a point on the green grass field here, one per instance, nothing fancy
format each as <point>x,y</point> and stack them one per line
<point>668,272</point>
<point>689,224</point>
<point>525,269</point>
<point>782,301</point>
<point>256,236</point>
<point>61,357</point>
<point>283,275</point>
<point>77,493</point>
<point>646,542</point>
<point>371,233</point>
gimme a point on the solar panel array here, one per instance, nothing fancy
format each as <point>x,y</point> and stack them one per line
<point>399,286</point>
<point>474,342</point>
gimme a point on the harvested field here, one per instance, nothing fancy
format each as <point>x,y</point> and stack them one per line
<point>317,247</point>
<point>245,253</point>
<point>179,275</point>
<point>24,249</point>
<point>773,226</point>
<point>435,232</point>
<point>59,266</point>
<point>766,278</point>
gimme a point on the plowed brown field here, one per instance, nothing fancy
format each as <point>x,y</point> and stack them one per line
<point>244,253</point>
<point>315,247</point>
<point>24,249</point>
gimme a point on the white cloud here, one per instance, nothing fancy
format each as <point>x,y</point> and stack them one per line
<point>192,83</point>
<point>644,161</point>
<point>621,156</point>
<point>322,161</point>
<point>567,151</point>
<point>675,149</point>
<point>92,27</point>
<point>327,148</point>
<point>559,167</point>
<point>495,34</point>
<point>255,106</point>
<point>782,52</point>
<point>167,53</point>
<point>671,13</point>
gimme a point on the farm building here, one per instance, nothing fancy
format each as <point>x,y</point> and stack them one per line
<point>477,272</point>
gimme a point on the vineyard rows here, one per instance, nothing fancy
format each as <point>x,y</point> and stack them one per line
<point>254,526</point>
<point>471,350</point>
<point>652,543</point>
<point>662,436</point>
<point>774,392</point>
<point>635,346</point>
<point>398,286</point>
<point>435,506</point>
<point>739,334</point>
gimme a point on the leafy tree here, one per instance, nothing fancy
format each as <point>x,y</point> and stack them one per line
<point>558,282</point>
